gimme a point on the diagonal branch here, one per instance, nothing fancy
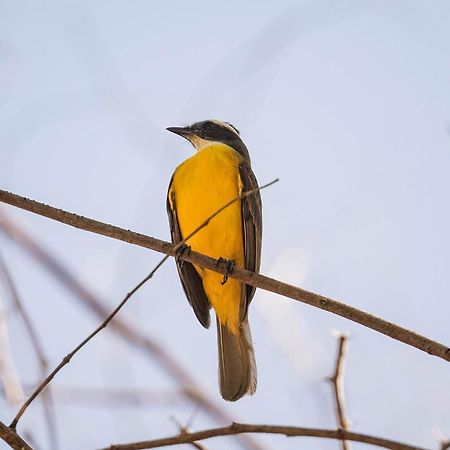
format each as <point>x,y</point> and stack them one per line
<point>10,436</point>
<point>337,380</point>
<point>104,324</point>
<point>70,355</point>
<point>236,428</point>
<point>184,429</point>
<point>127,330</point>
<point>319,301</point>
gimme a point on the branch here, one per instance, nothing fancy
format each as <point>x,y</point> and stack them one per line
<point>70,355</point>
<point>319,301</point>
<point>184,429</point>
<point>104,324</point>
<point>337,381</point>
<point>236,428</point>
<point>127,330</point>
<point>11,437</point>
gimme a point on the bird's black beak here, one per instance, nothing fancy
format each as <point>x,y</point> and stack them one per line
<point>181,131</point>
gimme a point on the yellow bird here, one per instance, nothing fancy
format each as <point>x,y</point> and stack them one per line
<point>219,172</point>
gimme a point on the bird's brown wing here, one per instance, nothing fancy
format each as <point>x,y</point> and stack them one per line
<point>251,211</point>
<point>190,279</point>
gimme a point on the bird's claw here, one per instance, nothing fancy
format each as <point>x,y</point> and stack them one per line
<point>229,264</point>
<point>181,251</point>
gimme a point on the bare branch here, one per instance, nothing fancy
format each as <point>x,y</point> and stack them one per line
<point>127,330</point>
<point>49,408</point>
<point>235,428</point>
<point>10,436</point>
<point>185,430</point>
<point>70,355</point>
<point>319,301</point>
<point>337,381</point>
<point>104,324</point>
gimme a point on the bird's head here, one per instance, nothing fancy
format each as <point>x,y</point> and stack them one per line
<point>203,134</point>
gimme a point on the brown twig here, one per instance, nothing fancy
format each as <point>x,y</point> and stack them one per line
<point>337,380</point>
<point>235,428</point>
<point>128,331</point>
<point>10,436</point>
<point>103,325</point>
<point>48,404</point>
<point>184,429</point>
<point>70,355</point>
<point>319,301</point>
<point>198,446</point>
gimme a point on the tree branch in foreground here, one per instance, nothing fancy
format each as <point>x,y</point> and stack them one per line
<point>269,284</point>
<point>126,329</point>
<point>235,428</point>
<point>11,437</point>
<point>337,380</point>
<point>103,325</point>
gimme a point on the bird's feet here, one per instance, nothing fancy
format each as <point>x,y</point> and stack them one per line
<point>229,267</point>
<point>181,251</point>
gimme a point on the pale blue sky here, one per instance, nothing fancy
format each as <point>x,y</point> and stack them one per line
<point>346,102</point>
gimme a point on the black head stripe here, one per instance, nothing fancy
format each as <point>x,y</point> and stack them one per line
<point>216,131</point>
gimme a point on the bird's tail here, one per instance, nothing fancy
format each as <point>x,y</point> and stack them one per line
<point>237,366</point>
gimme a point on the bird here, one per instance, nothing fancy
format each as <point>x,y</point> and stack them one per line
<point>218,172</point>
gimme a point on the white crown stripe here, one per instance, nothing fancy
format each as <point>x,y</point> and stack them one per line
<point>225,125</point>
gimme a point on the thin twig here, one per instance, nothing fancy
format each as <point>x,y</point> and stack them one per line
<point>319,301</point>
<point>103,325</point>
<point>10,436</point>
<point>197,445</point>
<point>49,408</point>
<point>337,380</point>
<point>184,429</point>
<point>70,355</point>
<point>127,330</point>
<point>235,428</point>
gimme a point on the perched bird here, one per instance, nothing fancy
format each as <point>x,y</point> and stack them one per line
<point>219,171</point>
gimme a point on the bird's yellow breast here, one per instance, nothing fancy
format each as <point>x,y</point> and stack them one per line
<point>201,185</point>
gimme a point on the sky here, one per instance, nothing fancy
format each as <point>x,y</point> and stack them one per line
<point>346,102</point>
